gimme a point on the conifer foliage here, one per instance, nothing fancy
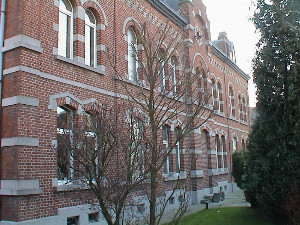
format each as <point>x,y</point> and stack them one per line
<point>273,167</point>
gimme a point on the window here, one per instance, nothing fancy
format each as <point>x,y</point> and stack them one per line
<point>173,75</point>
<point>178,135</point>
<point>220,98</point>
<point>231,102</point>
<point>137,149</point>
<point>90,141</point>
<point>241,108</point>
<point>65,30</point>
<point>215,95</point>
<point>94,217</point>
<point>172,200</point>
<point>244,106</point>
<point>141,208</point>
<point>205,88</point>
<point>73,220</point>
<point>166,135</point>
<point>162,72</point>
<point>218,152</point>
<point>206,137</point>
<point>65,122</point>
<point>234,144</point>
<point>132,55</point>
<point>200,81</point>
<point>224,152</point>
<point>243,145</point>
<point>90,39</point>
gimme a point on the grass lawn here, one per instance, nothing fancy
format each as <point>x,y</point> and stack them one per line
<point>227,216</point>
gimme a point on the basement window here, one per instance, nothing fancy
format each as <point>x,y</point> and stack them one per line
<point>172,201</point>
<point>93,217</point>
<point>141,208</point>
<point>73,220</point>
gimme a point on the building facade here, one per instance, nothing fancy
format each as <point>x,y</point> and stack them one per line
<point>54,55</point>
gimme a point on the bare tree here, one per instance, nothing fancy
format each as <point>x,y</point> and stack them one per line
<point>104,149</point>
<point>167,90</point>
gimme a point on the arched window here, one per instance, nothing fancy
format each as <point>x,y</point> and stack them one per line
<point>243,145</point>
<point>200,84</point>
<point>173,75</point>
<point>90,39</point>
<point>205,87</point>
<point>137,148</point>
<point>132,55</point>
<point>166,139</point>
<point>218,152</point>
<point>206,138</point>
<point>162,71</point>
<point>224,152</point>
<point>214,94</point>
<point>244,109</point>
<point>231,102</point>
<point>234,144</point>
<point>65,30</point>
<point>241,108</point>
<point>178,147</point>
<point>220,97</point>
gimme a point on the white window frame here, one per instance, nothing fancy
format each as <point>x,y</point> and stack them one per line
<point>90,43</point>
<point>62,46</point>
<point>133,63</point>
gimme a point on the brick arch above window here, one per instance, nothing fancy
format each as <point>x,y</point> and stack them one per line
<point>67,98</point>
<point>198,61</point>
<point>97,9</point>
<point>206,127</point>
<point>131,22</point>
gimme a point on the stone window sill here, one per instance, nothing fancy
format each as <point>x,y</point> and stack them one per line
<point>216,172</point>
<point>100,69</point>
<point>69,185</point>
<point>175,176</point>
<point>197,173</point>
<point>20,187</point>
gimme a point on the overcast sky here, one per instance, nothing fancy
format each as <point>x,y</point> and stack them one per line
<point>233,16</point>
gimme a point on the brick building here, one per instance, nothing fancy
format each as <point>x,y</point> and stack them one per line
<point>54,56</point>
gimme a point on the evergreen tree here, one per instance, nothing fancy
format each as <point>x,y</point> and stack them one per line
<point>273,167</point>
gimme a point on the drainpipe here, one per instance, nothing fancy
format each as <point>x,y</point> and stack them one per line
<point>3,5</point>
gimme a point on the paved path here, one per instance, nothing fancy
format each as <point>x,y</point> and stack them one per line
<point>235,199</point>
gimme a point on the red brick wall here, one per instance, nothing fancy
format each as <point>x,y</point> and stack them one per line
<point>36,19</point>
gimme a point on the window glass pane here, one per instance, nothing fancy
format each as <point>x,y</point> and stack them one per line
<point>64,159</point>
<point>62,35</point>
<point>90,39</point>
<point>65,5</point>
<point>132,58</point>
<point>65,29</point>
<point>87,45</point>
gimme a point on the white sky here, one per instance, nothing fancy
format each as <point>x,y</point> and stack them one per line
<point>233,16</point>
